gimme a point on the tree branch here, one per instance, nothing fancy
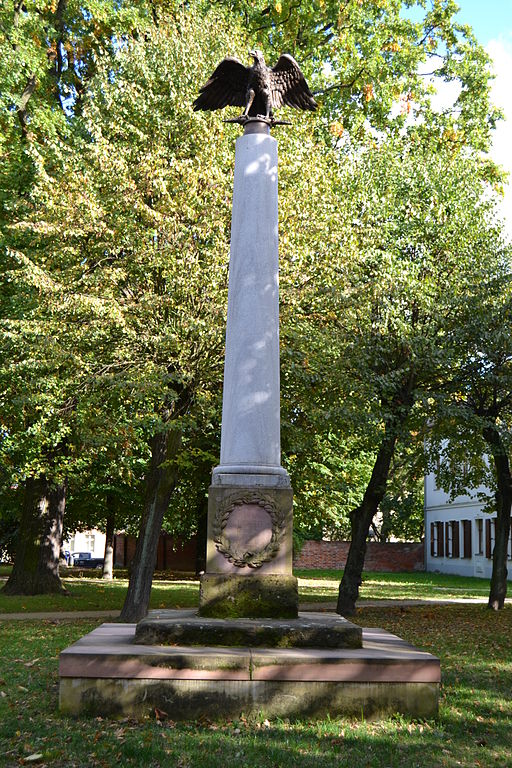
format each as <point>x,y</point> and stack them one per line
<point>22,106</point>
<point>340,85</point>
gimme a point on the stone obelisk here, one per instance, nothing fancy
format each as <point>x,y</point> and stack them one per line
<point>249,549</point>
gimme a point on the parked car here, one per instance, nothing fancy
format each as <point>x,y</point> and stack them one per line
<point>86,560</point>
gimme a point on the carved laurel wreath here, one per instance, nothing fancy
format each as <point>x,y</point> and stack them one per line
<point>251,559</point>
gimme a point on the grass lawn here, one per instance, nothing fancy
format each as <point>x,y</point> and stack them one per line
<point>323,585</point>
<point>474,727</point>
<point>90,593</point>
<point>93,594</point>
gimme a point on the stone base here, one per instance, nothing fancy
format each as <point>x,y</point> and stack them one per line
<point>106,673</point>
<point>254,596</point>
<point>249,549</point>
<point>309,630</point>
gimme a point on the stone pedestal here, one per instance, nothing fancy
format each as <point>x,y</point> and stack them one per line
<point>108,673</point>
<point>249,550</point>
<point>249,553</point>
<point>309,630</point>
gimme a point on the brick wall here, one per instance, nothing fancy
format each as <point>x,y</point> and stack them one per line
<point>393,556</point>
<point>178,555</point>
<point>172,554</point>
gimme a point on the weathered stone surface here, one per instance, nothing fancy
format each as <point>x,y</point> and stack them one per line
<point>239,537</point>
<point>253,596</point>
<point>309,630</point>
<point>225,699</point>
<point>106,673</point>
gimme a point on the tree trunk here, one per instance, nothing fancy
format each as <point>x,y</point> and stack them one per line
<point>160,484</point>
<point>36,565</point>
<point>108,557</point>
<point>361,517</point>
<point>498,590</point>
<point>360,521</point>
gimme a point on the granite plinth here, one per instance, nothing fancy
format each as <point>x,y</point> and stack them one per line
<point>258,595</point>
<point>309,630</point>
<point>249,552</point>
<point>108,673</point>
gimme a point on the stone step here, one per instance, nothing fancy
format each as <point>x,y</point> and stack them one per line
<point>108,673</point>
<point>309,630</point>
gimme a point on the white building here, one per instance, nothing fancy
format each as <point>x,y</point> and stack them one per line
<point>459,535</point>
<point>86,541</point>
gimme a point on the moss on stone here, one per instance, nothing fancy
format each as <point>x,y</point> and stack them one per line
<point>254,597</point>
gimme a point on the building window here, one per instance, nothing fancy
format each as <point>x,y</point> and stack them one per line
<point>437,539</point>
<point>90,538</point>
<point>449,539</point>
<point>452,539</point>
<point>466,538</point>
<point>455,538</point>
<point>479,536</point>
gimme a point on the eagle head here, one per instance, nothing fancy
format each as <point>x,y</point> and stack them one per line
<point>257,56</point>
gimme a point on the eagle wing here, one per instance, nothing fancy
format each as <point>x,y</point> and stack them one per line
<point>226,86</point>
<point>289,85</point>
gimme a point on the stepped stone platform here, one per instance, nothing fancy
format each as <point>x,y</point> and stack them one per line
<point>309,630</point>
<point>109,673</point>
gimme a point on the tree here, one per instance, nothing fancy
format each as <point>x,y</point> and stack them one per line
<point>36,564</point>
<point>364,57</point>
<point>109,252</point>
<point>418,242</point>
<point>475,416</point>
<point>50,54</point>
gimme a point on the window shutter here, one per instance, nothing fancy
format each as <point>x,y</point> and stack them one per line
<point>440,540</point>
<point>466,529</point>
<point>455,539</point>
<point>432,541</point>
<point>488,552</point>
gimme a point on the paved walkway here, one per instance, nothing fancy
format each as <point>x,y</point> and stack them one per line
<point>325,606</point>
<point>412,603</point>
<point>59,615</point>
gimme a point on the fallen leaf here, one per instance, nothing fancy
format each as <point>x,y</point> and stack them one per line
<point>33,758</point>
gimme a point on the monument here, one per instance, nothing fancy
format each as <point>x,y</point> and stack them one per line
<point>248,649</point>
<point>249,551</point>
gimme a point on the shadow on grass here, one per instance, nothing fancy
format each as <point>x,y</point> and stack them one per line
<point>474,727</point>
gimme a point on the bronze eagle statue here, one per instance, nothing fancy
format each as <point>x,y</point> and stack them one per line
<point>259,89</point>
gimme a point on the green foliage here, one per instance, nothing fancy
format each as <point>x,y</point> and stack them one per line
<point>479,388</point>
<point>410,233</point>
<point>114,236</point>
<point>115,278</point>
<point>370,63</point>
